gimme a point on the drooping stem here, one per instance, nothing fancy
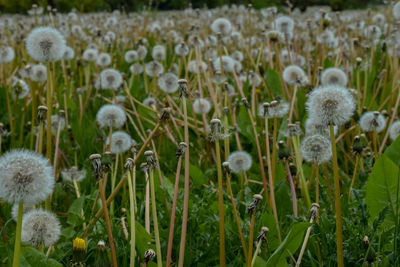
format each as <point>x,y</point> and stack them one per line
<point>220,207</point>
<point>17,245</point>
<point>155,221</point>
<point>339,236</point>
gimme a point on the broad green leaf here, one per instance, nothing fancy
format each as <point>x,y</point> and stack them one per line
<point>197,175</point>
<point>393,151</point>
<point>274,82</point>
<point>382,188</point>
<point>33,257</point>
<point>142,239</point>
<point>291,243</point>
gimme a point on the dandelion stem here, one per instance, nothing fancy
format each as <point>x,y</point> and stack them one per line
<point>251,236</point>
<point>220,206</point>
<point>259,243</point>
<point>355,172</point>
<point>292,189</point>
<point>339,236</point>
<point>132,211</point>
<point>155,221</point>
<point>17,245</point>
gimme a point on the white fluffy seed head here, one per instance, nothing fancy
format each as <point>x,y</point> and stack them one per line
<point>316,149</point>
<point>396,11</point>
<point>7,54</point>
<point>158,53</point>
<point>201,106</point>
<point>372,120</point>
<point>120,142</point>
<point>284,24</point>
<point>38,73</point>
<point>69,53</point>
<point>330,104</point>
<point>110,79</point>
<point>103,60</point>
<point>221,26</point>
<point>40,227</point>
<point>334,76</point>
<point>73,173</point>
<point>131,56</point>
<point>193,66</point>
<point>294,75</point>
<point>136,68</point>
<point>239,161</point>
<point>56,121</point>
<point>90,54</point>
<point>111,116</point>
<point>25,176</point>
<point>168,83</point>
<point>45,44</point>
<point>154,68</point>
<point>14,210</point>
<point>394,130</point>
<point>181,49</point>
<point>228,64</point>
<point>19,88</point>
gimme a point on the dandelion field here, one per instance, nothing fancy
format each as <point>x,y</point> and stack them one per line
<point>202,137</point>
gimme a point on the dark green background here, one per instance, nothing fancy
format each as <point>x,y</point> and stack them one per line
<point>21,6</point>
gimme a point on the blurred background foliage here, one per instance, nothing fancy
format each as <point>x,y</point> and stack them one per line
<point>21,6</point>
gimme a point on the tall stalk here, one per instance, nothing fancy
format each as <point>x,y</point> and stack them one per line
<point>17,245</point>
<point>131,172</point>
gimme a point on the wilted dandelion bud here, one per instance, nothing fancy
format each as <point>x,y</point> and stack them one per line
<point>314,211</point>
<point>358,145</point>
<point>183,90</point>
<point>181,149</point>
<point>394,130</point>
<point>262,236</point>
<point>239,161</point>
<point>73,174</point>
<point>227,169</point>
<point>129,164</point>
<point>106,161</point>
<point>253,205</point>
<point>151,162</point>
<point>264,112</point>
<point>25,176</point>
<point>245,102</point>
<point>330,104</point>
<point>45,44</point>
<point>120,142</point>
<point>283,151</point>
<point>40,227</point>
<point>358,61</point>
<point>371,121</point>
<point>149,255</point>
<point>111,116</point>
<point>42,110</point>
<point>96,165</point>
<point>78,250</point>
<point>316,149</point>
<point>165,114</point>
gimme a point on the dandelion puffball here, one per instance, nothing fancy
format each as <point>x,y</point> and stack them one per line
<point>228,64</point>
<point>330,104</point>
<point>111,116</point>
<point>201,106</point>
<point>110,79</point>
<point>45,44</point>
<point>221,26</point>
<point>73,173</point>
<point>7,54</point>
<point>294,75</point>
<point>120,142</point>
<point>69,53</point>
<point>38,73</point>
<point>372,120</point>
<point>316,149</point>
<point>131,56</point>
<point>334,76</point>
<point>25,176</point>
<point>168,83</point>
<point>239,161</point>
<point>40,227</point>
<point>394,130</point>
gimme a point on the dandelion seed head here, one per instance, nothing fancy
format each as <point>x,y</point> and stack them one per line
<point>90,54</point>
<point>330,104</point>
<point>73,173</point>
<point>14,210</point>
<point>40,227</point>
<point>239,161</point>
<point>316,149</point>
<point>136,68</point>
<point>19,88</point>
<point>57,120</point>
<point>294,75</point>
<point>154,68</point>
<point>131,56</point>
<point>110,79</point>
<point>103,59</point>
<point>69,53</point>
<point>228,64</point>
<point>25,176</point>
<point>201,106</point>
<point>221,26</point>
<point>111,116</point>
<point>372,120</point>
<point>394,130</point>
<point>7,54</point>
<point>38,73</point>
<point>396,11</point>
<point>192,66</point>
<point>158,53</point>
<point>285,24</point>
<point>45,44</point>
<point>334,76</point>
<point>181,49</point>
<point>168,83</point>
<point>120,142</point>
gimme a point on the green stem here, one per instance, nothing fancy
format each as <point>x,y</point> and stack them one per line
<point>155,221</point>
<point>220,207</point>
<point>17,246</point>
<point>339,234</point>
<point>296,144</point>
<point>132,211</point>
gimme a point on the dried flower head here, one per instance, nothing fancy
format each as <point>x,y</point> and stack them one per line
<point>330,104</point>
<point>45,44</point>
<point>372,120</point>
<point>73,173</point>
<point>120,142</point>
<point>111,116</point>
<point>334,76</point>
<point>316,149</point>
<point>239,161</point>
<point>25,176</point>
<point>40,227</point>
